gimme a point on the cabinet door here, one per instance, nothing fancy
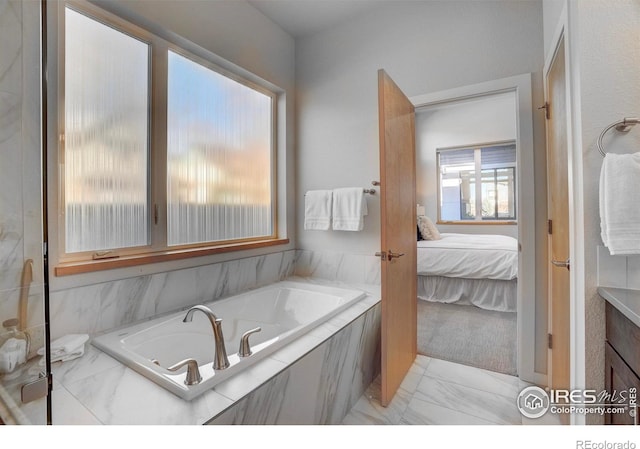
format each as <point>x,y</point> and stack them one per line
<point>619,377</point>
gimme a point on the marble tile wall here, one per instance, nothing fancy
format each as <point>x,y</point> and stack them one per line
<point>20,168</point>
<point>321,387</point>
<point>335,266</point>
<point>618,271</point>
<point>99,307</point>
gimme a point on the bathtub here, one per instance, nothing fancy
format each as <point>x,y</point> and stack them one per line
<point>284,310</point>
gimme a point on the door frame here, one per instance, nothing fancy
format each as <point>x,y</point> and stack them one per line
<point>521,86</point>
<point>577,293</point>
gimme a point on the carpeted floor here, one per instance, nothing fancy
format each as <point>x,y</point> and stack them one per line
<point>468,335</point>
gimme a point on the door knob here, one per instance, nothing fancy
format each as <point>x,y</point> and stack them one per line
<point>388,255</point>
<point>393,255</point>
<point>562,264</point>
<point>382,255</point>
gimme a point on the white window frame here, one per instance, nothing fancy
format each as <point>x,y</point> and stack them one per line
<point>157,250</point>
<point>477,149</point>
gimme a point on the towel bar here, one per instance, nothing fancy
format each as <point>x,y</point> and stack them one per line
<point>369,191</point>
<point>623,125</point>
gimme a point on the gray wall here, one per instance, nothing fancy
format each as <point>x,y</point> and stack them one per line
<point>426,47</point>
<point>609,33</point>
<point>609,89</point>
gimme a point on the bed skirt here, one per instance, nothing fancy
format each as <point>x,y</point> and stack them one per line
<point>489,294</point>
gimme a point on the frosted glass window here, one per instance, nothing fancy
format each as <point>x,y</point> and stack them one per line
<point>219,135</point>
<point>106,136</point>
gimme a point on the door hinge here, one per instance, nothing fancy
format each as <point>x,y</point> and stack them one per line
<point>550,341</point>
<point>37,389</point>
<point>550,226</point>
<point>546,108</point>
<point>155,213</point>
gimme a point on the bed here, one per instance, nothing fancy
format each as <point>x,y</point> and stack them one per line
<point>476,269</point>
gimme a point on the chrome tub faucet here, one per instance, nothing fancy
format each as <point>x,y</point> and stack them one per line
<point>220,360</point>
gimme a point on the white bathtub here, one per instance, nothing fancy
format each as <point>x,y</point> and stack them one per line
<point>284,310</point>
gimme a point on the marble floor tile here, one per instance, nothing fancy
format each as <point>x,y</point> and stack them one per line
<point>422,361</point>
<point>472,377</point>
<point>368,409</point>
<point>412,378</point>
<point>440,392</point>
<point>421,413</point>
<point>483,404</point>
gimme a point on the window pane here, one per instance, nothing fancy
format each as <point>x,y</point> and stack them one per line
<point>457,185</point>
<point>218,156</point>
<point>506,193</point>
<point>106,136</point>
<point>498,182</point>
<point>488,194</point>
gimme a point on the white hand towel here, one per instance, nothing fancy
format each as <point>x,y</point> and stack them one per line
<point>349,209</point>
<point>317,210</point>
<point>620,203</point>
<point>66,346</point>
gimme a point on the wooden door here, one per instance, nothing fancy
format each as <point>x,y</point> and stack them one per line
<point>398,223</point>
<point>558,214</point>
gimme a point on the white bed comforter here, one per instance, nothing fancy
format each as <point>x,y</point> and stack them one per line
<point>471,256</point>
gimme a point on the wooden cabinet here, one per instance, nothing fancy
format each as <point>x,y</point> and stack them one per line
<point>622,360</point>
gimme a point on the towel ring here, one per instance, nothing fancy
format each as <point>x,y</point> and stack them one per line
<point>623,126</point>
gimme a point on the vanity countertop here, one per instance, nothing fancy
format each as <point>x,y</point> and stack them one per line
<point>625,300</point>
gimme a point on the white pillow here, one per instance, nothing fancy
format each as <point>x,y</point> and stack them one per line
<point>427,228</point>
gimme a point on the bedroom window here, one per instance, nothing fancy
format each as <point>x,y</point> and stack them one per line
<point>163,153</point>
<point>477,184</point>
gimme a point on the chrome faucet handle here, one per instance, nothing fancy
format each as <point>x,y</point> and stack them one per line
<point>245,348</point>
<point>193,372</point>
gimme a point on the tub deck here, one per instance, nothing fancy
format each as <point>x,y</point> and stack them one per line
<point>98,389</point>
<point>284,311</point>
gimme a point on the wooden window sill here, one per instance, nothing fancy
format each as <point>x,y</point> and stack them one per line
<point>70,268</point>
<point>480,223</point>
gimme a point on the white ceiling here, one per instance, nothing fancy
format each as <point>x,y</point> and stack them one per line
<point>302,18</point>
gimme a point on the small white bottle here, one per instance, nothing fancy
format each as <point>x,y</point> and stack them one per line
<point>14,346</point>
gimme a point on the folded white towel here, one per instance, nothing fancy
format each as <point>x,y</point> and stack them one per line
<point>67,348</point>
<point>620,203</point>
<point>349,209</point>
<point>64,357</point>
<point>317,210</point>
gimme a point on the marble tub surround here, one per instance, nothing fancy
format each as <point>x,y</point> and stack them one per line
<point>336,266</point>
<point>319,388</point>
<point>99,307</point>
<point>102,389</point>
<point>439,392</point>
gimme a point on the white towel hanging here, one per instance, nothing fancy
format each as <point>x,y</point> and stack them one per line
<point>317,210</point>
<point>349,209</point>
<point>620,203</point>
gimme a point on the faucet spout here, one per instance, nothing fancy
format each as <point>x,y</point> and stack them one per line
<point>220,359</point>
